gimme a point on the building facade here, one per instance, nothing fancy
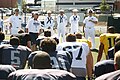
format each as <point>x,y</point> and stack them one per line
<point>68,4</point>
<point>47,4</point>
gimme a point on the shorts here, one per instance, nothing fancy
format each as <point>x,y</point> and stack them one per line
<point>33,37</point>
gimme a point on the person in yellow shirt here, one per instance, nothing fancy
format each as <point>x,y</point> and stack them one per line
<point>107,40</point>
<point>79,39</point>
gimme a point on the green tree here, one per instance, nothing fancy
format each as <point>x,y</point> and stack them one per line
<point>104,6</point>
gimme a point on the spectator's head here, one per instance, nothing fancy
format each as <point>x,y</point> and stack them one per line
<point>14,41</point>
<point>117,47</point>
<point>16,12</point>
<point>71,38</point>
<point>21,31</point>
<point>61,12</point>
<point>41,60</point>
<point>49,13</point>
<point>111,29</point>
<point>48,45</point>
<point>2,36</point>
<point>78,36</point>
<point>74,11</point>
<point>117,60</point>
<point>5,70</point>
<point>47,33</point>
<point>36,15</point>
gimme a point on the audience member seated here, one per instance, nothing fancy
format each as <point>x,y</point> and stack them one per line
<point>103,67</point>
<point>47,34</point>
<point>82,60</point>
<point>113,75</point>
<point>24,38</point>
<point>41,70</point>
<point>5,70</point>
<point>59,59</point>
<point>14,54</point>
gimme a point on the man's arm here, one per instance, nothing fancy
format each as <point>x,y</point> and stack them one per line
<point>89,65</point>
<point>10,25</point>
<point>100,52</point>
<point>83,27</point>
<point>95,22</point>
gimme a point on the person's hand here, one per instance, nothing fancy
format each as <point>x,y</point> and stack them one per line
<point>90,20</point>
<point>84,34</point>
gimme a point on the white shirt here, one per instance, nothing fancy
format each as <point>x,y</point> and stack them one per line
<point>49,22</point>
<point>89,23</point>
<point>74,48</point>
<point>74,19</point>
<point>62,20</point>
<point>34,26</point>
<point>16,21</point>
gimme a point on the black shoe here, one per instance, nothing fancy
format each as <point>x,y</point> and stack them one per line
<point>94,50</point>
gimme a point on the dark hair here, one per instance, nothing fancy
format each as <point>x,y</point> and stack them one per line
<point>71,38</point>
<point>111,29</point>
<point>2,36</point>
<point>78,36</point>
<point>14,41</point>
<point>48,45</point>
<point>47,33</point>
<point>21,31</point>
<point>41,60</point>
<point>16,10</point>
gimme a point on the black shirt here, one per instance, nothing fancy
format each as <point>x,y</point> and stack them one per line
<point>23,37</point>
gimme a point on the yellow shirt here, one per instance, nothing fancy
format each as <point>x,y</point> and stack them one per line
<point>108,40</point>
<point>86,41</point>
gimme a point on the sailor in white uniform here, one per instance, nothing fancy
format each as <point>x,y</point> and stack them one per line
<point>49,22</point>
<point>15,22</point>
<point>88,27</point>
<point>61,25</point>
<point>74,21</point>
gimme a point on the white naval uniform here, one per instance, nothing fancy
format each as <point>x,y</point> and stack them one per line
<point>74,21</point>
<point>33,26</point>
<point>49,23</point>
<point>89,29</point>
<point>16,22</point>
<point>79,53</point>
<point>61,26</point>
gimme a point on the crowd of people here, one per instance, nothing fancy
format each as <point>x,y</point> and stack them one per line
<point>68,56</point>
